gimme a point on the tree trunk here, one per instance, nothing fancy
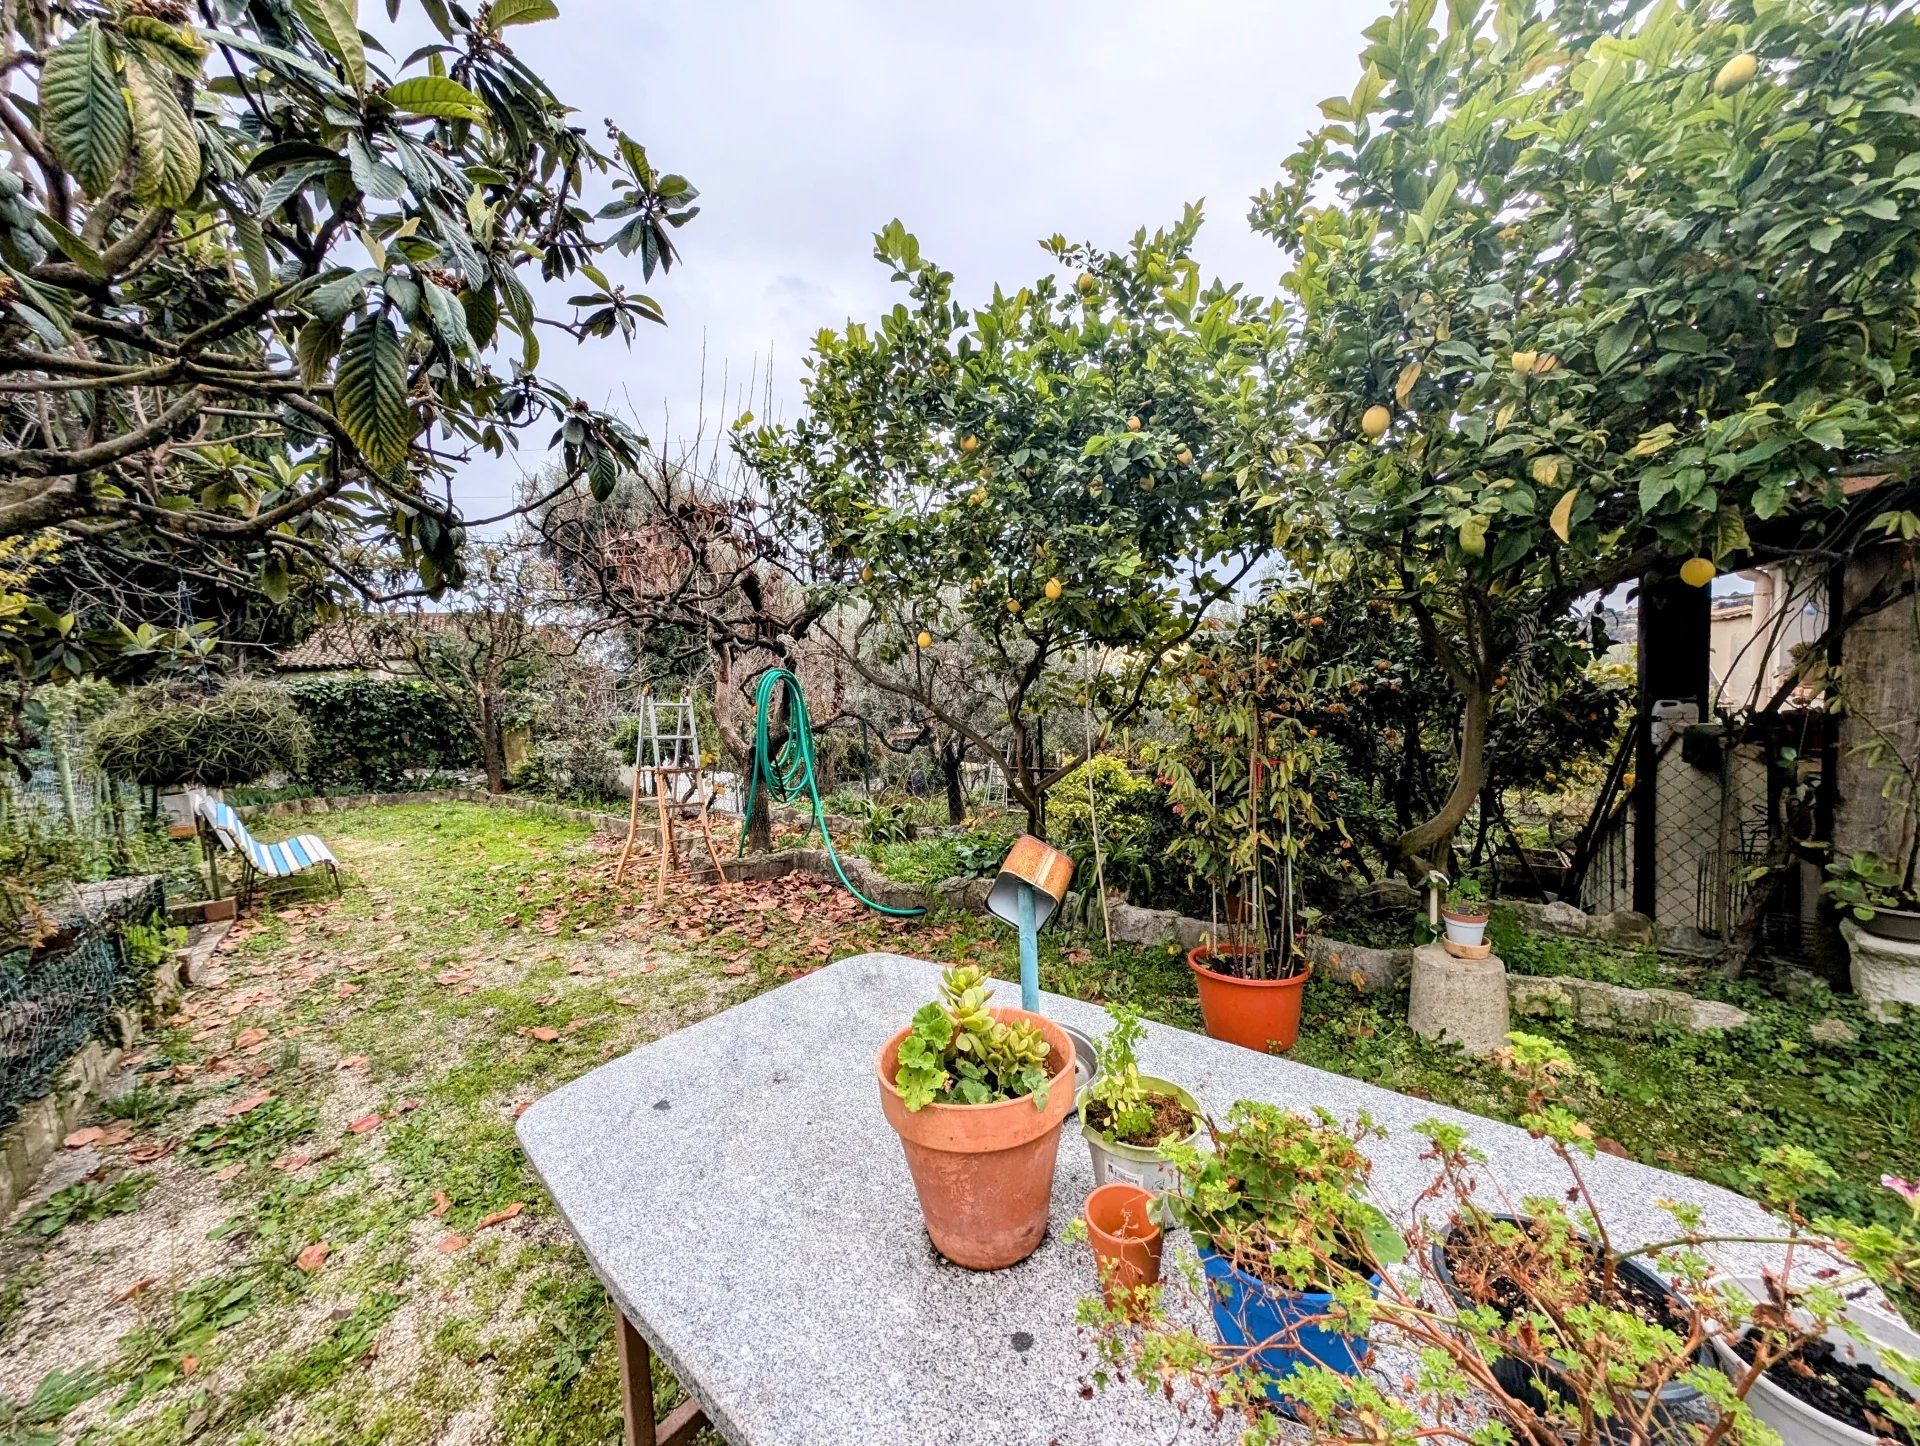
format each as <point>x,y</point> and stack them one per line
<point>493,748</point>
<point>950,756</point>
<point>1425,846</point>
<point>760,825</point>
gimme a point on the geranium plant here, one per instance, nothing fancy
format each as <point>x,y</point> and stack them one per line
<point>1531,1322</point>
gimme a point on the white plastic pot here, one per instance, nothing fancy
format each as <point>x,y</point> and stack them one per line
<point>1793,1418</point>
<point>1117,1163</point>
<point>1468,929</point>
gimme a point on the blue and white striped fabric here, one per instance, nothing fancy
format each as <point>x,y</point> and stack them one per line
<point>274,860</point>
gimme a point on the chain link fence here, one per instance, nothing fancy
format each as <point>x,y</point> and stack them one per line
<point>56,998</point>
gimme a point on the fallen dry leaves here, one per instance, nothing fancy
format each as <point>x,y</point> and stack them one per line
<point>251,1102</point>
<point>442,1203</point>
<point>452,1243</point>
<point>365,1123</point>
<point>501,1216</point>
<point>313,1257</point>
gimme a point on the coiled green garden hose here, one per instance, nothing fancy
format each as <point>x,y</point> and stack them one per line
<point>789,774</point>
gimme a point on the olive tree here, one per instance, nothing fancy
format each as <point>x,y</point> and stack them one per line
<point>1587,289</point>
<point>1063,474</point>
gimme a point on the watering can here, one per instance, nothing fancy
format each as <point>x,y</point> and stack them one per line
<point>1032,881</point>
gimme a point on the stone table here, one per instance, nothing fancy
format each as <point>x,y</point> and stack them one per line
<point>738,1192</point>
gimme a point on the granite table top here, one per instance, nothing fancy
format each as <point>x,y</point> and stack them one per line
<point>738,1192</point>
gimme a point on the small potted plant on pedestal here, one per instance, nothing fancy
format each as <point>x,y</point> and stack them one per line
<point>1126,1115</point>
<point>977,1094</point>
<point>1466,913</point>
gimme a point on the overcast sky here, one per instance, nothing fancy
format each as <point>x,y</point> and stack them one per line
<point>983,125</point>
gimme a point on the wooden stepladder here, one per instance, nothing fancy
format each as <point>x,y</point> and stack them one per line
<point>667,766</point>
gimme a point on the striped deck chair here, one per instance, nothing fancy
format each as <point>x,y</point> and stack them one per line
<point>261,863</point>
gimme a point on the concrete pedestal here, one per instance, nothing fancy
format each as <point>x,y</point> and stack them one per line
<point>1461,1001</point>
<point>1886,972</point>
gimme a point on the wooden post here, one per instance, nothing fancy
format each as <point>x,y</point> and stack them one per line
<point>1675,654</point>
<point>682,1423</point>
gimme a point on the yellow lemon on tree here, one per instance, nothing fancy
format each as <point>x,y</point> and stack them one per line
<point>1013,605</point>
<point>1054,589</point>
<point>1735,74</point>
<point>866,574</point>
<point>1085,282</point>
<point>1133,424</point>
<point>925,639</point>
<point>1697,571</point>
<point>1523,361</point>
<point>969,442</point>
<point>974,586</point>
<point>977,496</point>
<point>1146,484</point>
<point>1375,421</point>
<point>1184,456</point>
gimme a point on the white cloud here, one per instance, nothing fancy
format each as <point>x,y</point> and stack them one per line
<point>982,126</point>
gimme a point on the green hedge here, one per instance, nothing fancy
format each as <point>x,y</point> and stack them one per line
<point>176,732</point>
<point>369,730</point>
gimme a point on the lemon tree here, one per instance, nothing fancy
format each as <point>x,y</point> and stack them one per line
<point>1584,296</point>
<point>1064,476</point>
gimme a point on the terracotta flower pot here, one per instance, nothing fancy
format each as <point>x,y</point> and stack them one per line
<point>1126,1243</point>
<point>1257,1013</point>
<point>984,1173</point>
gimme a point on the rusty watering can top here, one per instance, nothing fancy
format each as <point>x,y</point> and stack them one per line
<point>1042,867</point>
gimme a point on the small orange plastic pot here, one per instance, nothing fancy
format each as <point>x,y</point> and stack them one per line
<point>984,1173</point>
<point>1260,1014</point>
<point>1126,1243</point>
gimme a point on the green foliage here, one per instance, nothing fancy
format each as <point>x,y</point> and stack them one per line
<point>369,731</point>
<point>957,1053</point>
<point>1241,781</point>
<point>32,1422</point>
<point>1467,895</point>
<point>1282,1197</point>
<point>258,214</point>
<point>1136,827</point>
<point>85,1201</point>
<point>1864,883</point>
<point>1126,1108</point>
<point>1056,471</point>
<point>887,820</point>
<point>151,944</point>
<point>1614,317</point>
<point>168,734</point>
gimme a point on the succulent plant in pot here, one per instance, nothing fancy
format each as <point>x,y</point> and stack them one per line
<point>1126,1116</point>
<point>977,1094</point>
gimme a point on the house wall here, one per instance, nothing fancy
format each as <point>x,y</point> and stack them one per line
<point>1880,690</point>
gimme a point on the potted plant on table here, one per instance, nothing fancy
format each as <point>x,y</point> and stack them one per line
<point>1126,1116</point>
<point>1530,1319</point>
<point>977,1094</point>
<point>1466,912</point>
<point>1291,1249</point>
<point>1814,1358</point>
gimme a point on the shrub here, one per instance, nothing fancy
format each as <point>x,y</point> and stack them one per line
<point>368,731</point>
<point>172,733</point>
<point>1136,825</point>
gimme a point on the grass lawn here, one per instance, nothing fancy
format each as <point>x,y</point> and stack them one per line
<point>307,1219</point>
